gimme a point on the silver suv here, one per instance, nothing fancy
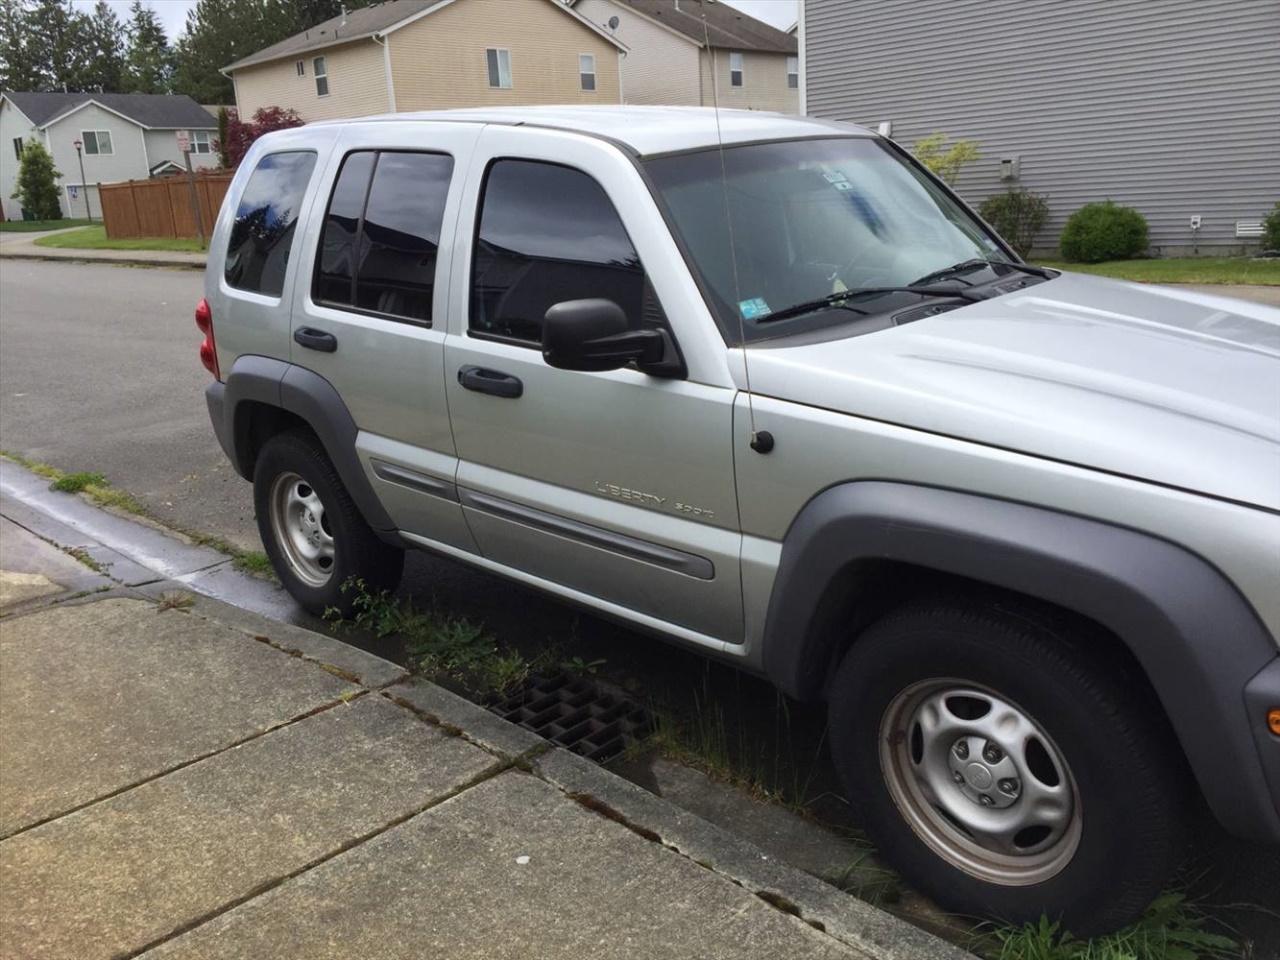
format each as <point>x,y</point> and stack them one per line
<point>764,387</point>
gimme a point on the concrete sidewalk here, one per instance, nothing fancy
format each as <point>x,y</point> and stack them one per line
<point>182,778</point>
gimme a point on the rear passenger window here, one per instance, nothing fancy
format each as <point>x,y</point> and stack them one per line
<point>258,252</point>
<point>381,233</point>
<point>548,234</point>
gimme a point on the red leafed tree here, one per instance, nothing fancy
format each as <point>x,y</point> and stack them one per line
<point>242,133</point>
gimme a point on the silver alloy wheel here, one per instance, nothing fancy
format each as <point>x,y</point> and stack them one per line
<point>301,529</point>
<point>980,782</point>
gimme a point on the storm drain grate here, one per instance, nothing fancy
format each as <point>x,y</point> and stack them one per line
<point>577,715</point>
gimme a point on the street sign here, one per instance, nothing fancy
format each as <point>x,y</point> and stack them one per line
<point>184,141</point>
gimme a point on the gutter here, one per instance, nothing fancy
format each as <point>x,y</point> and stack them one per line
<point>385,44</point>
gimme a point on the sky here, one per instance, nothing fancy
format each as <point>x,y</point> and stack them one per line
<point>173,13</point>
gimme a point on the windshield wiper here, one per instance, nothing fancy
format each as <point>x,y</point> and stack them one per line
<point>837,299</point>
<point>968,266</point>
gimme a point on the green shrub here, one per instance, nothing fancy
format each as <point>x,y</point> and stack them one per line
<point>1271,229</point>
<point>37,187</point>
<point>1103,231</point>
<point>1017,215</point>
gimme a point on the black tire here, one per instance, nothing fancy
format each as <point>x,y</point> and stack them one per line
<point>1096,791</point>
<point>312,530</point>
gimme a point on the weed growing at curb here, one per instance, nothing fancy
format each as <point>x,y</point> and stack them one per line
<point>439,646</point>
<point>1171,929</point>
<point>176,600</point>
<point>252,561</point>
<point>75,482</point>
<point>81,555</point>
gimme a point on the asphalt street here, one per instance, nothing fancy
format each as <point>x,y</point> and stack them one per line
<point>99,372</point>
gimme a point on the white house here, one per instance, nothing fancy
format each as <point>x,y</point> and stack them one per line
<point>123,136</point>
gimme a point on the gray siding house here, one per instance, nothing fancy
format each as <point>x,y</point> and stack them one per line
<point>1169,106</point>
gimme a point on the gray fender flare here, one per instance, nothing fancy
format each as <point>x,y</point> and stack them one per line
<point>308,396</point>
<point>1195,636</point>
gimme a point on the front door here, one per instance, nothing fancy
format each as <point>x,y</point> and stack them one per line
<point>619,485</point>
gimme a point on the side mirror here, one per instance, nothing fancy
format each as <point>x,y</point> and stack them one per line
<point>594,335</point>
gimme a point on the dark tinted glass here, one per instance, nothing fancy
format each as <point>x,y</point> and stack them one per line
<point>401,234</point>
<point>258,252</point>
<point>335,278</point>
<point>548,234</point>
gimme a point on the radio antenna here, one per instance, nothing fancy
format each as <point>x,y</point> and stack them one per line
<point>761,440</point>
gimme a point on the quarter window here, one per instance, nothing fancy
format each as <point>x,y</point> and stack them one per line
<point>587,70</point>
<point>735,69</point>
<point>548,234</point>
<point>321,71</point>
<point>96,142</point>
<point>382,232</point>
<point>258,251</point>
<point>499,62</point>
<point>793,72</point>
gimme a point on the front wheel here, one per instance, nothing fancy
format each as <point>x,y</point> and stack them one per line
<point>312,530</point>
<point>1007,767</point>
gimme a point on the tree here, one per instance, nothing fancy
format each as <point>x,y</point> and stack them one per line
<point>20,58</point>
<point>241,134</point>
<point>148,57</point>
<point>945,164</point>
<point>224,132</point>
<point>37,187</point>
<point>97,38</point>
<point>56,31</point>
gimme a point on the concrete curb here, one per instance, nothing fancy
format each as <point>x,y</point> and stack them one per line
<point>80,256</point>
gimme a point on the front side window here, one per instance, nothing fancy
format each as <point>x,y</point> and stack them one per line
<point>382,232</point>
<point>735,69</point>
<point>201,141</point>
<point>587,70</point>
<point>266,213</point>
<point>811,218</point>
<point>548,234</point>
<point>321,71</point>
<point>499,62</point>
<point>96,142</point>
<point>793,73</point>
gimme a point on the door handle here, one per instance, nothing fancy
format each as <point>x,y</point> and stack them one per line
<point>490,381</point>
<point>314,339</point>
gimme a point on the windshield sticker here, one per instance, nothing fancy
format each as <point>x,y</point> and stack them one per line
<point>835,176</point>
<point>753,308</point>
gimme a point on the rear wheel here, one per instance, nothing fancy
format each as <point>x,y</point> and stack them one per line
<point>312,531</point>
<point>1005,768</point>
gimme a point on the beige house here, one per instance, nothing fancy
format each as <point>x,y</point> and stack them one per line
<point>434,54</point>
<point>693,53</point>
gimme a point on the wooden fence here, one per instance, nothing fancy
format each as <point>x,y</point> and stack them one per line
<point>162,208</point>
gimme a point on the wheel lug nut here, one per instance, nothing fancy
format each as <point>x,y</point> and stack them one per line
<point>962,750</point>
<point>992,754</point>
<point>957,776</point>
<point>1009,786</point>
<point>986,801</point>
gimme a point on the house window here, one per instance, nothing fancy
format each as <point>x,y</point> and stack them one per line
<point>735,69</point>
<point>587,70</point>
<point>322,76</point>
<point>301,67</point>
<point>17,147</point>
<point>793,73</point>
<point>96,142</point>
<point>499,68</point>
<point>201,141</point>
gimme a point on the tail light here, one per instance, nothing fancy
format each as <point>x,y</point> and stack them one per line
<point>208,349</point>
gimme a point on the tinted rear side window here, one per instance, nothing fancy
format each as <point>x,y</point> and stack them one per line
<point>548,234</point>
<point>258,252</point>
<point>382,233</point>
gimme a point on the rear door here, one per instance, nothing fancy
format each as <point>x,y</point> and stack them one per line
<point>369,316</point>
<point>617,486</point>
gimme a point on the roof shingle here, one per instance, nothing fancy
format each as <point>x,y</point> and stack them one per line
<point>153,110</point>
<point>726,27</point>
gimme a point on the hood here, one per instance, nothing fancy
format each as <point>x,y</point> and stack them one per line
<point>1150,382</point>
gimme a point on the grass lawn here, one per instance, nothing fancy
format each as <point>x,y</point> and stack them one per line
<point>31,226</point>
<point>1182,270</point>
<point>95,238</point>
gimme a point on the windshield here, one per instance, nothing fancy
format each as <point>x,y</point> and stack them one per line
<point>811,218</point>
